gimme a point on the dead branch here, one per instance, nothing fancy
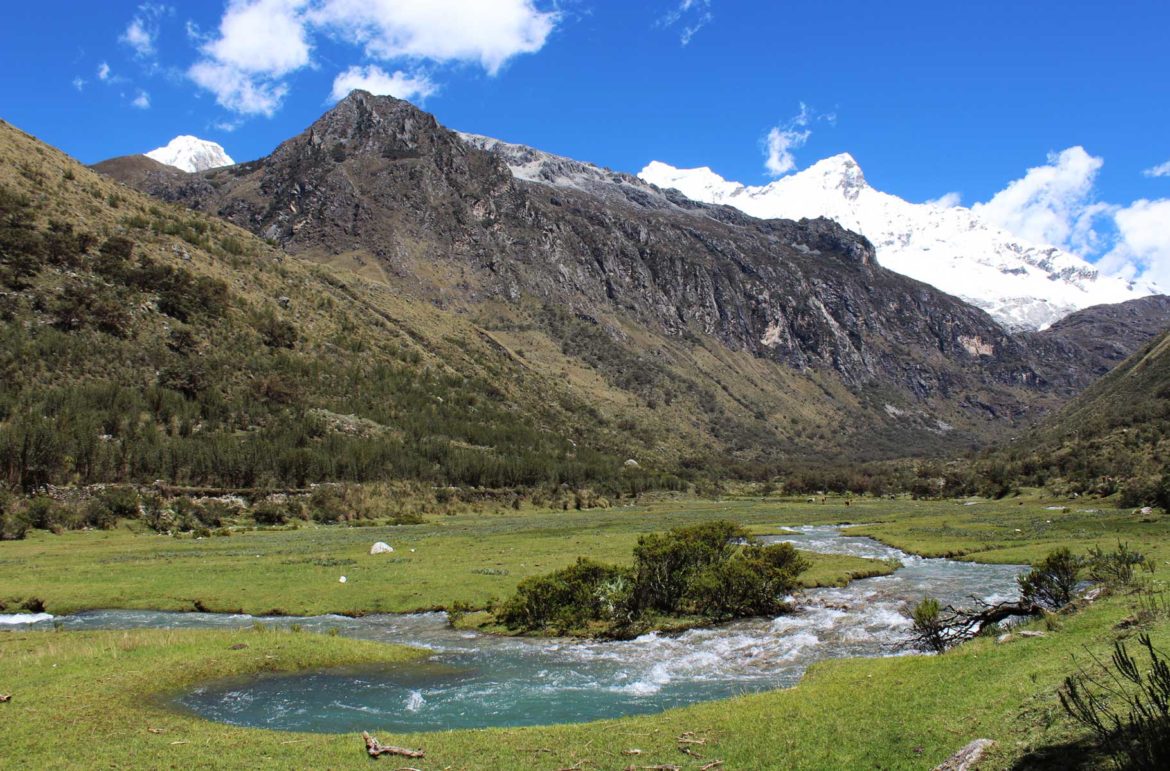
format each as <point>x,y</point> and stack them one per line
<point>711,765</point>
<point>377,749</point>
<point>957,625</point>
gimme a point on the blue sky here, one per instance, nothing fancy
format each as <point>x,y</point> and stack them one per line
<point>930,98</point>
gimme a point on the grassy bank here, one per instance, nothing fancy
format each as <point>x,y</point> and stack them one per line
<point>91,700</point>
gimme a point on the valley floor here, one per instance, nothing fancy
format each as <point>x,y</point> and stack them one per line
<point>90,699</point>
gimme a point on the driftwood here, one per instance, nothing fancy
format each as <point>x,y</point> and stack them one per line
<point>377,749</point>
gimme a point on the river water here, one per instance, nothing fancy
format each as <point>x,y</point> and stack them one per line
<point>474,681</point>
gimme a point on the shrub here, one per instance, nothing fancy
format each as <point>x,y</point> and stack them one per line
<point>665,564</point>
<point>569,598</point>
<point>1128,710</point>
<point>929,628</point>
<point>1115,568</point>
<point>14,521</point>
<point>750,583</point>
<point>276,512</point>
<point>1051,583</point>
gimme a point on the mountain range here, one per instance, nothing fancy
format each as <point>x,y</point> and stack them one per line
<point>683,321</point>
<point>1023,285</point>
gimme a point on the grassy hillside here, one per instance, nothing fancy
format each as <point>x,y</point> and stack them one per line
<point>1113,438</point>
<point>141,341</point>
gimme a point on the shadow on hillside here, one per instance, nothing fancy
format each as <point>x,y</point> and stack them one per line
<point>1072,756</point>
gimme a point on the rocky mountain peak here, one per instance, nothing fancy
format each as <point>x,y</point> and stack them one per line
<point>839,172</point>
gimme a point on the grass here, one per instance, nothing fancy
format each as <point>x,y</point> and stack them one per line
<point>466,558</point>
<point>94,700</point>
<point>99,693</point>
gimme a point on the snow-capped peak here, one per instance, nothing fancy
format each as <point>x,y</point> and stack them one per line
<point>1023,285</point>
<point>191,154</point>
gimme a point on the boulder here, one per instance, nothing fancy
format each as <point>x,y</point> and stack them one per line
<point>966,758</point>
<point>381,548</point>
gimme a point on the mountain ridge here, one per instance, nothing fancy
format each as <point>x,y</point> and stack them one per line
<point>576,254</point>
<point>1023,285</point>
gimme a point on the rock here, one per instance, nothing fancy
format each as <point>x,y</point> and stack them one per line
<point>341,580</point>
<point>381,548</point>
<point>1003,638</point>
<point>631,463</point>
<point>966,758</point>
<point>1032,633</point>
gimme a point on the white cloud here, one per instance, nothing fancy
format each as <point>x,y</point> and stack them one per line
<point>1161,170</point>
<point>142,32</point>
<point>142,100</point>
<point>1143,242</point>
<point>947,200</point>
<point>79,83</point>
<point>1052,204</point>
<point>377,81</point>
<point>691,16</point>
<point>237,91</point>
<point>103,71</point>
<point>261,42</point>
<point>782,140</point>
<point>487,32</point>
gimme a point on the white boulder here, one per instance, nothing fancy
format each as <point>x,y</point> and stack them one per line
<point>381,548</point>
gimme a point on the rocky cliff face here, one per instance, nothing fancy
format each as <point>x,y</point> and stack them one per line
<point>445,216</point>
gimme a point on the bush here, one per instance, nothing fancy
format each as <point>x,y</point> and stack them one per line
<point>14,521</point>
<point>570,598</point>
<point>276,512</point>
<point>750,583</point>
<point>929,628</point>
<point>1115,568</point>
<point>112,504</point>
<point>1051,583</point>
<point>1128,710</point>
<point>665,564</point>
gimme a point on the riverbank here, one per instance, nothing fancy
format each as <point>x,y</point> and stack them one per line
<point>101,699</point>
<point>92,699</point>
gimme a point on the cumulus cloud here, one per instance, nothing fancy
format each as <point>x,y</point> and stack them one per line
<point>142,32</point>
<point>1056,204</point>
<point>103,71</point>
<point>1052,204</point>
<point>141,100</point>
<point>487,32</point>
<point>377,81</point>
<point>261,42</point>
<point>1161,170</point>
<point>1142,247</point>
<point>783,140</point>
<point>690,16</point>
<point>79,83</point>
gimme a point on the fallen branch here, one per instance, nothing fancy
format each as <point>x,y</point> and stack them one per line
<point>377,749</point>
<point>712,764</point>
<point>957,625</point>
<point>5,698</point>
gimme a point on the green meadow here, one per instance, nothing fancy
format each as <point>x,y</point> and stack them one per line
<point>98,699</point>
